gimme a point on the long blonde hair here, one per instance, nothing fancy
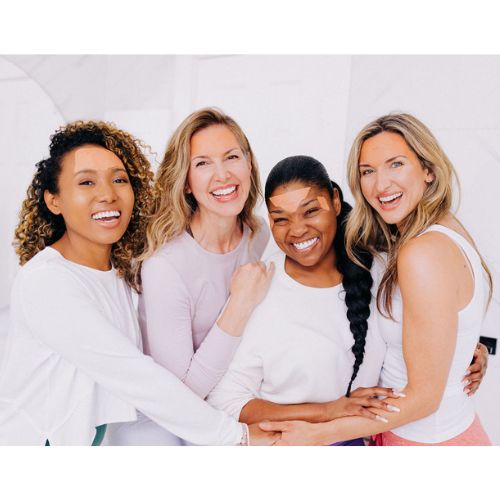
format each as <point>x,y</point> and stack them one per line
<point>366,229</point>
<point>173,208</point>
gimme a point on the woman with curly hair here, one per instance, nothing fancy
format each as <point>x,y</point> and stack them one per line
<point>201,275</point>
<point>432,289</point>
<point>73,361</point>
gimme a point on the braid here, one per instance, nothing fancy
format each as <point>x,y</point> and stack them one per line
<point>357,283</point>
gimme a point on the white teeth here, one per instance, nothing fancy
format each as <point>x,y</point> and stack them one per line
<point>305,244</point>
<point>224,192</point>
<point>103,215</point>
<point>391,197</point>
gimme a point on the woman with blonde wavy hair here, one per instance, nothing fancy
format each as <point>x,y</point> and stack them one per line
<point>201,274</point>
<point>432,289</point>
<point>73,362</point>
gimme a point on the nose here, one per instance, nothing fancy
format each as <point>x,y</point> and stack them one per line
<point>221,173</point>
<point>383,179</point>
<point>297,228</point>
<point>106,192</point>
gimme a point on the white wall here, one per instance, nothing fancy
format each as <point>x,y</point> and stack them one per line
<point>286,104</point>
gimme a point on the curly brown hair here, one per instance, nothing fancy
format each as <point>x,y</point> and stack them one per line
<point>38,227</point>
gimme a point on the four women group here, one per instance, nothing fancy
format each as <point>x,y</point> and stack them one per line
<point>371,313</point>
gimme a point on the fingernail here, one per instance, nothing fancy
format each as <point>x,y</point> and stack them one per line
<point>398,394</point>
<point>393,408</point>
<point>466,382</point>
<point>466,390</point>
<point>381,419</point>
<point>467,373</point>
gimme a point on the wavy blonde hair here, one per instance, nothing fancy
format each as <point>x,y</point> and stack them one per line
<point>367,230</point>
<point>173,208</point>
<point>38,227</point>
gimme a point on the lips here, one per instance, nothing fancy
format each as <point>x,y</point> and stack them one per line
<point>226,193</point>
<point>109,219</point>
<point>389,198</point>
<point>305,245</point>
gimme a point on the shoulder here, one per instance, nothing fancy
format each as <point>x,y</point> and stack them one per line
<point>431,250</point>
<point>427,264</point>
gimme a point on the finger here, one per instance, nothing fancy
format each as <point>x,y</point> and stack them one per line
<point>274,426</point>
<point>364,412</point>
<point>380,404</point>
<point>471,389</point>
<point>378,391</point>
<point>270,269</point>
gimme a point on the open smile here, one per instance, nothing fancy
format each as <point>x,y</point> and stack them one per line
<point>390,201</point>
<point>306,245</point>
<point>107,218</point>
<point>226,193</point>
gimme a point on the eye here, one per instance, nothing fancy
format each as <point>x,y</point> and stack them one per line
<point>366,171</point>
<point>311,211</point>
<point>85,183</point>
<point>121,180</point>
<point>201,163</point>
<point>396,164</point>
<point>233,157</point>
<point>280,220</point>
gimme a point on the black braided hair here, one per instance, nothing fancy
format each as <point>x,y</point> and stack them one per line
<point>356,281</point>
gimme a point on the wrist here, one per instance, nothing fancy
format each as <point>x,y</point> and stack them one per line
<point>332,411</point>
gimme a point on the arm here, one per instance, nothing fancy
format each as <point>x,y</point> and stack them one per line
<point>167,332</point>
<point>61,314</point>
<point>429,282</point>
<point>168,310</point>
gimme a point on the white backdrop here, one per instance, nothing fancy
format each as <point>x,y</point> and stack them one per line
<point>286,104</point>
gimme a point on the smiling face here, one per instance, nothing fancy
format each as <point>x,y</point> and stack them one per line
<point>95,197</point>
<point>304,222</point>
<point>392,178</point>
<point>219,172</point>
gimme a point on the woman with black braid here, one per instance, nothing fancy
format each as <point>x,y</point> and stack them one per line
<point>309,341</point>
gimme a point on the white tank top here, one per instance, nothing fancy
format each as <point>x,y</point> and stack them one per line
<point>456,411</point>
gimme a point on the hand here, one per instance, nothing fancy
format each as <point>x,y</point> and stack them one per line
<point>258,437</point>
<point>361,401</point>
<point>477,370</point>
<point>295,433</point>
<point>250,283</point>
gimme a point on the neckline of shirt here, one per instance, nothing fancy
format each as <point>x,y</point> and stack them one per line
<point>215,255</point>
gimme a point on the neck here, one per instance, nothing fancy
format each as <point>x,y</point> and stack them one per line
<point>93,255</point>
<point>324,274</point>
<point>215,233</point>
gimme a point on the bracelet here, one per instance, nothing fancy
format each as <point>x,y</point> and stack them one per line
<point>245,438</point>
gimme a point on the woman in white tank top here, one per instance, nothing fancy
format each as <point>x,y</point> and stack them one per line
<point>433,289</point>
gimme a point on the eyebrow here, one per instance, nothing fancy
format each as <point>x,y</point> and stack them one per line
<point>92,171</point>
<point>302,205</point>
<point>386,161</point>
<point>223,154</point>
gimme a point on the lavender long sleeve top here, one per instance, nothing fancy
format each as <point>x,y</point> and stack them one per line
<point>185,288</point>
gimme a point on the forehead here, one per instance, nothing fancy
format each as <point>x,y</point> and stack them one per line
<point>382,146</point>
<point>90,156</point>
<point>214,138</point>
<point>288,197</point>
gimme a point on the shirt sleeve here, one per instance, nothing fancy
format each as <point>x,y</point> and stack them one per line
<point>167,330</point>
<point>61,313</point>
<point>243,380</point>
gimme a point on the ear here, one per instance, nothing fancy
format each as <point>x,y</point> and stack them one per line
<point>336,202</point>
<point>52,202</point>
<point>429,176</point>
<point>187,189</point>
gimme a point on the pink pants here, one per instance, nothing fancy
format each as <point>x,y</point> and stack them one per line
<point>474,435</point>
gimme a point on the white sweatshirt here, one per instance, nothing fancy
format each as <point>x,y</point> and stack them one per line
<point>297,349</point>
<point>73,361</point>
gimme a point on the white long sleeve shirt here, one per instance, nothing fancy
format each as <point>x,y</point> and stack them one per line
<point>296,348</point>
<point>73,361</point>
